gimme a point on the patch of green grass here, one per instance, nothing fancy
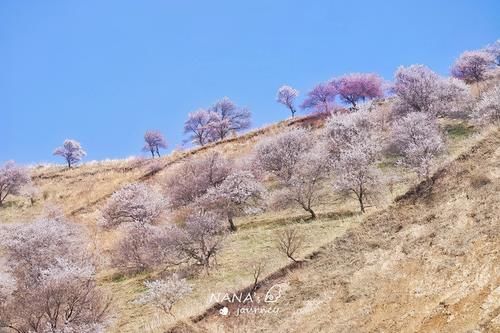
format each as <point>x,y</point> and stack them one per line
<point>387,163</point>
<point>118,277</point>
<point>459,131</point>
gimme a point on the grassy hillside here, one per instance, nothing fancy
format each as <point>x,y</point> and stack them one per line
<point>351,261</point>
<point>428,263</point>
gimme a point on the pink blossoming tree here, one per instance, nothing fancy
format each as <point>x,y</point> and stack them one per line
<point>12,180</point>
<point>134,203</point>
<point>198,127</point>
<point>226,118</point>
<point>71,151</point>
<point>154,140</point>
<point>418,140</point>
<point>357,87</point>
<point>472,66</point>
<point>320,98</point>
<point>286,96</point>
<point>240,193</point>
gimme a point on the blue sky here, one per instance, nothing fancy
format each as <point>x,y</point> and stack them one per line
<point>104,72</point>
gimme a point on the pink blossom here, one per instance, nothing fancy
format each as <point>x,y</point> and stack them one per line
<point>286,96</point>
<point>71,151</point>
<point>320,98</point>
<point>357,87</point>
<point>154,140</point>
<point>472,66</point>
<point>12,180</point>
<point>198,126</point>
<point>134,203</point>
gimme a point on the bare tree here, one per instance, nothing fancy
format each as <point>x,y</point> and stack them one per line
<point>257,270</point>
<point>12,180</point>
<point>154,140</point>
<point>52,212</point>
<point>32,193</point>
<point>71,151</point>
<point>200,239</point>
<point>289,241</point>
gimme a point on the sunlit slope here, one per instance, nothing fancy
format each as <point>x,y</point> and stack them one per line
<point>428,263</point>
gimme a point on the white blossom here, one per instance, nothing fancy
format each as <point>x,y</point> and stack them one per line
<point>163,294</point>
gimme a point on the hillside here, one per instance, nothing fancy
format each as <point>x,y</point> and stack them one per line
<point>249,167</point>
<point>410,240</point>
<point>428,263</point>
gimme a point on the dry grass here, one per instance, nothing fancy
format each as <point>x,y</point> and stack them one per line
<point>428,263</point>
<point>81,191</point>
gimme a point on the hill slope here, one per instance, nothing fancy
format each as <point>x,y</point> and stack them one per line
<point>428,263</point>
<point>345,284</point>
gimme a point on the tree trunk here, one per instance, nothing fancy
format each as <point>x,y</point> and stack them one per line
<point>313,214</point>
<point>232,227</point>
<point>152,153</point>
<point>69,164</point>
<point>360,195</point>
<point>361,205</point>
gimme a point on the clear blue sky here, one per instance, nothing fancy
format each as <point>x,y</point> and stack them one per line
<point>103,72</point>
